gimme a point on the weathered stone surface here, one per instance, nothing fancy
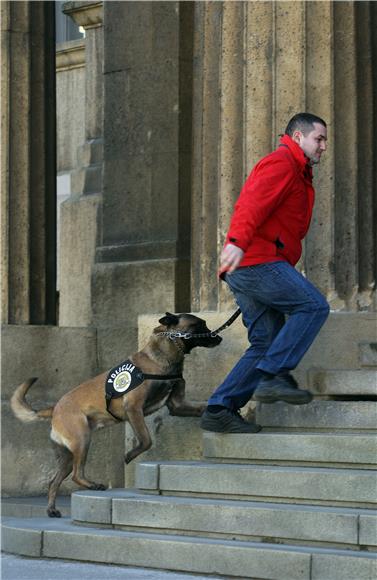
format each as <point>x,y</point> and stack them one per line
<point>147,476</point>
<point>195,555</point>
<point>320,415</point>
<point>340,566</point>
<point>31,507</point>
<point>115,300</point>
<point>303,447</point>
<point>70,103</point>
<point>188,554</point>
<point>97,506</point>
<point>61,357</point>
<point>93,507</point>
<point>78,235</point>
<point>21,540</point>
<point>368,530</point>
<point>350,382</point>
<point>28,145</point>
<point>368,354</point>
<point>236,518</point>
<point>354,487</point>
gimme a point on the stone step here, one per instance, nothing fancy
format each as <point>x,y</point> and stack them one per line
<point>31,507</point>
<point>343,382</point>
<point>313,485</point>
<point>50,538</point>
<point>319,448</point>
<point>358,415</point>
<point>368,354</point>
<point>253,521</point>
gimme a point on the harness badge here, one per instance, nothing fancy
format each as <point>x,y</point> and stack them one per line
<point>122,382</point>
<point>123,378</point>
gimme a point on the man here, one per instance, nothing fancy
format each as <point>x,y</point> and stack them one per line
<point>282,310</point>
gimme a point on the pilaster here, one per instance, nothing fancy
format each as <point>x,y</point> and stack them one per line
<point>141,256</point>
<point>28,163</point>
<point>80,213</point>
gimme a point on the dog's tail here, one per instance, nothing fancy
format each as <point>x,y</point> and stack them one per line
<point>22,409</point>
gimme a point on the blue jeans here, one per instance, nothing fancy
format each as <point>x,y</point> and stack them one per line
<point>267,294</point>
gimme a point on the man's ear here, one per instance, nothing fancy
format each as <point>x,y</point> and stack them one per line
<point>169,319</point>
<point>296,137</point>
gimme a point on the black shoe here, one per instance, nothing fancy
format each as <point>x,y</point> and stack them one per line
<point>227,421</point>
<point>281,388</point>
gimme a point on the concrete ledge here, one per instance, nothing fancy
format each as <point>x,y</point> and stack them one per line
<point>351,448</point>
<point>328,382</point>
<point>368,354</point>
<point>368,530</point>
<point>32,507</point>
<point>19,539</point>
<point>257,521</point>
<point>343,567</point>
<point>187,554</point>
<point>95,506</point>
<point>320,415</point>
<point>352,487</point>
<point>239,518</point>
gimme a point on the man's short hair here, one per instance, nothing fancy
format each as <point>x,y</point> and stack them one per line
<point>303,122</point>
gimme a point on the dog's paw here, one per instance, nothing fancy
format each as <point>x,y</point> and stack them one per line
<point>53,513</point>
<point>98,486</point>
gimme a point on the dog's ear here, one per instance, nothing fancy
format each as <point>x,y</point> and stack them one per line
<point>169,319</point>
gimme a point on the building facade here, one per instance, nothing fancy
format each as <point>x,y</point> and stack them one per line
<point>162,110</point>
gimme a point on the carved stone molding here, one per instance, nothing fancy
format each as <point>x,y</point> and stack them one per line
<point>70,55</point>
<point>86,14</point>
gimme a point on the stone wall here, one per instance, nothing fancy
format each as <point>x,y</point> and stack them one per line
<point>61,358</point>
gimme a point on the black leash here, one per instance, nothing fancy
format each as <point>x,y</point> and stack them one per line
<point>230,321</point>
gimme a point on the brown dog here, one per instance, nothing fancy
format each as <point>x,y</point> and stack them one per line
<point>84,409</point>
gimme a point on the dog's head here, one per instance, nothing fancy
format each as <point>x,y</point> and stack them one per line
<point>195,330</point>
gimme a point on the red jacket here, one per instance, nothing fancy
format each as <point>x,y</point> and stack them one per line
<point>274,209</point>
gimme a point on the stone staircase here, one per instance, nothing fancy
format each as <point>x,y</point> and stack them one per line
<point>293,501</point>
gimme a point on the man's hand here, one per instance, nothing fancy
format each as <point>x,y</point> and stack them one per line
<point>230,258</point>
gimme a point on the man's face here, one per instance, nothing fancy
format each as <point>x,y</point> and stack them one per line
<point>313,143</point>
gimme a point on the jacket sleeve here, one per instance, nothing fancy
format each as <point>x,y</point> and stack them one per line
<point>264,190</point>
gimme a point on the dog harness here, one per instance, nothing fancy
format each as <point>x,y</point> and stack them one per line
<point>124,378</point>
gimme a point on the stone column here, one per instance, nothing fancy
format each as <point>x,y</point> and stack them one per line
<point>366,22</point>
<point>80,213</point>
<point>206,136</point>
<point>320,243</point>
<point>231,140</point>
<point>142,252</point>
<point>258,103</point>
<point>28,149</point>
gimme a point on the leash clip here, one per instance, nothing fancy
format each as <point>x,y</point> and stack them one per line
<point>180,334</point>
